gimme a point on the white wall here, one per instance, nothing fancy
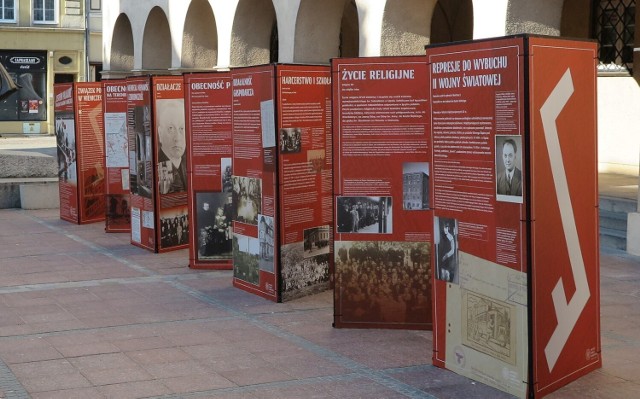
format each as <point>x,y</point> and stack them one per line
<point>618,125</point>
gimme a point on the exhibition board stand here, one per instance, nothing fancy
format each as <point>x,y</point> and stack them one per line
<point>157,163</point>
<point>382,150</point>
<point>79,133</point>
<point>208,108</point>
<point>516,278</point>
<point>116,156</point>
<point>281,185</point>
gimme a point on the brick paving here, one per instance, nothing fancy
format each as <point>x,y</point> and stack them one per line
<point>84,314</point>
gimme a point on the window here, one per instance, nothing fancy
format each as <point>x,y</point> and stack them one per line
<point>614,30</point>
<point>7,11</point>
<point>95,5</point>
<point>45,11</point>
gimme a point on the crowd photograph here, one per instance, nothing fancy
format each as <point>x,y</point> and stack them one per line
<point>364,215</point>
<point>174,228</point>
<point>382,280</point>
<point>302,276</point>
<point>290,140</point>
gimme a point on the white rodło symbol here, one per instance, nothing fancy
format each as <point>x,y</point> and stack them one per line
<point>567,312</point>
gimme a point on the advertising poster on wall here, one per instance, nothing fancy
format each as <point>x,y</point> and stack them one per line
<point>116,149</point>
<point>170,143</point>
<point>254,191</point>
<point>90,155</point>
<point>141,164</point>
<point>209,143</point>
<point>28,69</point>
<point>65,130</point>
<point>383,228</point>
<point>480,286</point>
<point>564,207</point>
<point>305,179</point>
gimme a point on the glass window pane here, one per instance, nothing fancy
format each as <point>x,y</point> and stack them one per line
<point>607,54</point>
<point>629,16</point>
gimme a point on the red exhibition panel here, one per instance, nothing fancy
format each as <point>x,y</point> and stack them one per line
<point>141,165</point>
<point>479,168</point>
<point>90,144</point>
<point>65,125</point>
<point>170,144</point>
<point>254,191</point>
<point>305,177</point>
<point>80,157</point>
<point>565,261</point>
<point>209,143</point>
<point>383,164</point>
<point>116,158</point>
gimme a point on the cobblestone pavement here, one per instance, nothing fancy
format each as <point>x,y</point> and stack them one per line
<point>84,314</point>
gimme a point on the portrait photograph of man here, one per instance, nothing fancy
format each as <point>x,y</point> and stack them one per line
<point>172,163</point>
<point>509,168</point>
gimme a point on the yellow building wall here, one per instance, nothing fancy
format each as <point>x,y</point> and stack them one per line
<point>57,43</point>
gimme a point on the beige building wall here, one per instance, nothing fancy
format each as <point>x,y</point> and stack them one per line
<point>64,38</point>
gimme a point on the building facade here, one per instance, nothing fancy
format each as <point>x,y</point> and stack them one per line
<point>266,235</point>
<point>415,190</point>
<point>43,42</point>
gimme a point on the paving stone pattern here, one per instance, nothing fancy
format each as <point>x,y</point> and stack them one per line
<point>84,314</point>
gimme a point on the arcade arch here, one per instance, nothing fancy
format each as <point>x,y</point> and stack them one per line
<point>452,21</point>
<point>254,33</point>
<point>349,31</point>
<point>538,17</point>
<point>156,41</point>
<point>200,37</point>
<point>122,45</point>
<point>322,27</point>
<point>406,27</point>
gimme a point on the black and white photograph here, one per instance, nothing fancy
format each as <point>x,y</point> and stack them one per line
<point>266,238</point>
<point>316,159</point>
<point>213,225</point>
<point>142,173</point>
<point>446,242</point>
<point>174,227</point>
<point>415,186</point>
<point>226,172</point>
<point>316,241</point>
<point>172,145</point>
<point>247,199</point>
<point>118,207</point>
<point>509,181</point>
<point>246,259</point>
<point>301,275</point>
<point>386,281</point>
<point>66,147</point>
<point>94,198</point>
<point>372,215</point>
<point>290,140</point>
